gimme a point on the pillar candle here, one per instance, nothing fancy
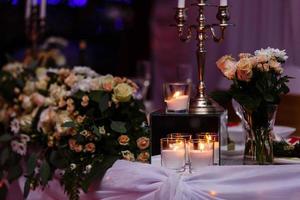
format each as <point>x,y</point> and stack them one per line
<point>223,3</point>
<point>181,3</point>
<point>28,9</point>
<point>43,9</point>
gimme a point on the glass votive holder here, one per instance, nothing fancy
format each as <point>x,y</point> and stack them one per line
<point>173,153</point>
<point>186,138</point>
<point>200,153</point>
<point>177,97</point>
<point>216,145</point>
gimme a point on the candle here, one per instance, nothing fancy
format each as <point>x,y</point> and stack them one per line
<point>28,9</point>
<point>181,3</point>
<point>43,9</point>
<point>177,102</point>
<point>201,156</point>
<point>173,158</point>
<point>223,3</point>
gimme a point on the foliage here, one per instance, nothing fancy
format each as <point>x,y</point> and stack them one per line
<point>71,122</point>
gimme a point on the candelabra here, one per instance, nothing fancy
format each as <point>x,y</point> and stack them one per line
<point>202,104</point>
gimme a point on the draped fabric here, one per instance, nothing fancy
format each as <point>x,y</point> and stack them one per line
<point>259,24</point>
<point>131,181</point>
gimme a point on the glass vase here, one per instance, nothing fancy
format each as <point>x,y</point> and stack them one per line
<point>259,125</point>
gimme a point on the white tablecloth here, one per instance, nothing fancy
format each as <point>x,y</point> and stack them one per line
<point>127,180</point>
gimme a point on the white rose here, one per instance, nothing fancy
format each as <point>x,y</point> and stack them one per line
<point>122,93</point>
<point>244,69</point>
<point>107,82</point>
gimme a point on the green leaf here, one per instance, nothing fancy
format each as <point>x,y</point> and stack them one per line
<point>14,172</point>
<point>97,172</point>
<point>78,95</point>
<point>26,188</point>
<point>4,155</point>
<point>103,102</point>
<point>96,131</point>
<point>5,138</point>
<point>31,163</point>
<point>58,160</point>
<point>69,124</point>
<point>45,172</point>
<point>118,126</point>
<point>96,96</point>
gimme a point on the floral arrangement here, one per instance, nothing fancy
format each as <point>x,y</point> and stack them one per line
<point>257,86</point>
<point>67,123</point>
<point>257,79</point>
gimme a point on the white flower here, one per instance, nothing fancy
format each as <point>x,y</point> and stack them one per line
<point>15,126</point>
<point>84,85</point>
<point>271,52</point>
<point>15,68</point>
<point>58,92</point>
<point>102,130</point>
<point>88,168</point>
<point>24,138</point>
<point>72,166</point>
<point>85,71</point>
<point>18,147</point>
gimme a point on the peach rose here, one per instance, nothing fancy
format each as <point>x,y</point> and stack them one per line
<point>72,144</point>
<point>123,140</point>
<point>90,147</point>
<point>85,101</point>
<point>143,142</point>
<point>227,65</point>
<point>262,58</point>
<point>71,80</point>
<point>276,66</point>
<point>244,55</point>
<point>244,70</point>
<point>80,119</point>
<point>143,157</point>
<point>78,148</point>
<point>38,99</point>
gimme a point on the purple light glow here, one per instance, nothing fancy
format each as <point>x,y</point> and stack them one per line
<point>77,3</point>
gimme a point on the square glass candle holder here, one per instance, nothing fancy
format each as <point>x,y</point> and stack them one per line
<point>173,153</point>
<point>177,97</point>
<point>200,153</point>
<point>186,138</point>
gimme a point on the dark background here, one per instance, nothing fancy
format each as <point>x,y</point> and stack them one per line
<point>117,32</point>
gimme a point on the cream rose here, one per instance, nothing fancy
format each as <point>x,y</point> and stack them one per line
<point>122,93</point>
<point>38,99</point>
<point>276,66</point>
<point>107,82</point>
<point>71,80</point>
<point>26,123</point>
<point>143,157</point>
<point>227,65</point>
<point>127,155</point>
<point>244,69</point>
<point>29,87</point>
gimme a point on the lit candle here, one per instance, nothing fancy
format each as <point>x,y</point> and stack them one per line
<point>200,157</point>
<point>216,152</point>
<point>223,3</point>
<point>181,3</point>
<point>177,102</point>
<point>28,9</point>
<point>174,157</point>
<point>43,9</point>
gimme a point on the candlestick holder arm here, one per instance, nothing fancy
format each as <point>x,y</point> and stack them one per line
<point>186,36</point>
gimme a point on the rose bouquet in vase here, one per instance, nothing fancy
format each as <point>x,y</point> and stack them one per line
<point>257,85</point>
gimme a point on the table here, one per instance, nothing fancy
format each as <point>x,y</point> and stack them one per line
<point>128,180</point>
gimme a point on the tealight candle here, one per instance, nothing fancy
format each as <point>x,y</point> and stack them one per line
<point>201,153</point>
<point>178,102</point>
<point>172,153</point>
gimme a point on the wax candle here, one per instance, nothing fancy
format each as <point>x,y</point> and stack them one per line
<point>43,9</point>
<point>216,152</point>
<point>177,102</point>
<point>173,158</point>
<point>223,3</point>
<point>28,9</point>
<point>201,156</point>
<point>181,3</point>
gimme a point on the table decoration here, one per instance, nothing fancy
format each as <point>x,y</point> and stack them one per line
<point>177,97</point>
<point>200,153</point>
<point>212,137</point>
<point>71,122</point>
<point>257,85</point>
<point>173,153</point>
<point>186,138</point>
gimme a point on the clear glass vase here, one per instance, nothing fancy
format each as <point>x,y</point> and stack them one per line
<point>259,125</point>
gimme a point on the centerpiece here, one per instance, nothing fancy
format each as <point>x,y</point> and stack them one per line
<point>257,85</point>
<point>71,124</point>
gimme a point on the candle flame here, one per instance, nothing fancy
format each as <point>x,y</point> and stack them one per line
<point>177,94</point>
<point>177,145</point>
<point>201,146</point>
<point>208,138</point>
